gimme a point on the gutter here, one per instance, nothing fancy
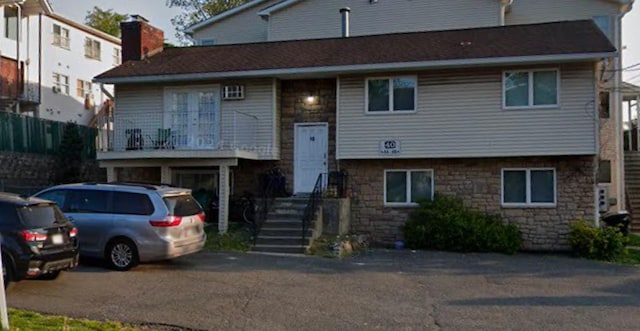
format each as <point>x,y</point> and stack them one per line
<point>356,68</point>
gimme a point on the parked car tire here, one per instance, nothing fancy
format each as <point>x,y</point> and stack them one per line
<point>50,276</point>
<point>7,271</point>
<point>121,254</point>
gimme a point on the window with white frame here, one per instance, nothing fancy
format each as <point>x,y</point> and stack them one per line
<point>60,83</point>
<point>395,94</point>
<point>117,58</point>
<point>83,88</point>
<point>206,42</point>
<point>531,89</point>
<point>407,187</point>
<point>91,48</point>
<point>529,187</point>
<point>60,36</point>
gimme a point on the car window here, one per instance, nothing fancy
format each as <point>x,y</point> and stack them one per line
<point>88,201</point>
<point>8,214</point>
<point>41,216</point>
<point>131,204</point>
<point>57,196</point>
<point>182,205</point>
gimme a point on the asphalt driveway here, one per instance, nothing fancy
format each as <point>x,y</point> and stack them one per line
<point>382,290</point>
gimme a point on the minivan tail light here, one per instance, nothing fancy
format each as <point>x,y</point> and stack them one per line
<point>202,217</point>
<point>33,236</point>
<point>167,222</point>
<point>73,232</point>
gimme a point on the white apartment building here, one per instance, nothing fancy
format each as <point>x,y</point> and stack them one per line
<point>48,62</point>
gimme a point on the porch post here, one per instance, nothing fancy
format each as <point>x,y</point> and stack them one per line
<point>165,174</point>
<point>630,137</point>
<point>223,202</point>
<point>637,121</point>
<point>112,175</point>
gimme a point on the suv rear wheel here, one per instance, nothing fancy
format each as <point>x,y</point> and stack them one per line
<point>121,254</point>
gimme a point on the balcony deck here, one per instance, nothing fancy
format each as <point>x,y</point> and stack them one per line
<point>178,135</point>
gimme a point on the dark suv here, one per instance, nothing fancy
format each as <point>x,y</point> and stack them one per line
<point>37,240</point>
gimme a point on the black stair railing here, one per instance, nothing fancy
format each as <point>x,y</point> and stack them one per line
<point>270,187</point>
<point>315,199</point>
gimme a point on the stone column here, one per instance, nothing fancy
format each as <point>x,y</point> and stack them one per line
<point>112,174</point>
<point>165,175</point>
<point>223,202</point>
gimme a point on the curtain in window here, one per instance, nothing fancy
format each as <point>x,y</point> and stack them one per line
<point>545,88</point>
<point>404,90</point>
<point>420,186</point>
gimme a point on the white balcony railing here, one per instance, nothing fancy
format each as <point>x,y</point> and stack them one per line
<point>135,131</point>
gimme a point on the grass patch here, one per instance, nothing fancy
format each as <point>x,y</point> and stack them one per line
<point>25,320</point>
<point>236,239</point>
<point>634,240</point>
<point>632,257</point>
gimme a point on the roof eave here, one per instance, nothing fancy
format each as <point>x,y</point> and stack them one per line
<point>358,68</point>
<point>268,11</point>
<point>227,13</point>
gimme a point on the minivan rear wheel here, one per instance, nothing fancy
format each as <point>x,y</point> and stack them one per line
<point>121,254</point>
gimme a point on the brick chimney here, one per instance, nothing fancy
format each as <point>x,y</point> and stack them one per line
<point>139,39</point>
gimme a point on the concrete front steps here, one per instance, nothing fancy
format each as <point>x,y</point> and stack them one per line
<point>632,181</point>
<point>282,231</point>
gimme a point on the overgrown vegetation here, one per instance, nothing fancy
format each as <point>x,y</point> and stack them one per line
<point>69,159</point>
<point>445,224</point>
<point>605,243</point>
<point>339,246</point>
<point>25,320</point>
<point>236,239</point>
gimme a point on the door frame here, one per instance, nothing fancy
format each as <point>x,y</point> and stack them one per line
<point>295,149</point>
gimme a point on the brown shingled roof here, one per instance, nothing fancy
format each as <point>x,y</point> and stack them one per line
<point>558,38</point>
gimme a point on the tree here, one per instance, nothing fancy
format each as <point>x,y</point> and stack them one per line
<point>107,21</point>
<point>195,11</point>
<point>69,158</point>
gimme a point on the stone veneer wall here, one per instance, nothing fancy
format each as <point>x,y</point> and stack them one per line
<point>27,173</point>
<point>478,183</point>
<point>608,152</point>
<point>295,110</point>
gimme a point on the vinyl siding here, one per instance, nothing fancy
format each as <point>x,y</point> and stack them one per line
<point>321,19</point>
<point>536,11</point>
<point>244,27</point>
<point>460,115</point>
<point>258,102</point>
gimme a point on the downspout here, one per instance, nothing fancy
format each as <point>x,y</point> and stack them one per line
<point>504,4</point>
<point>617,65</point>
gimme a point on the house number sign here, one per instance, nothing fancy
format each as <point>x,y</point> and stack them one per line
<point>390,147</point>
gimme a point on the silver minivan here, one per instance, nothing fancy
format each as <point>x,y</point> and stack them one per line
<point>127,223</point>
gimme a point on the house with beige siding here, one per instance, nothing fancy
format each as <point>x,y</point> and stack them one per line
<point>489,109</point>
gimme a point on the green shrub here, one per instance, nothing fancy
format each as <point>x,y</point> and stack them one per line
<point>445,224</point>
<point>606,243</point>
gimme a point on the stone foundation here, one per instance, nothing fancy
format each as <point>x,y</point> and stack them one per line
<point>28,173</point>
<point>478,183</point>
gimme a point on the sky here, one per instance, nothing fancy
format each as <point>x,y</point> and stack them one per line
<point>159,15</point>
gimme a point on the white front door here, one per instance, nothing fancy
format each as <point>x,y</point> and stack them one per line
<point>310,155</point>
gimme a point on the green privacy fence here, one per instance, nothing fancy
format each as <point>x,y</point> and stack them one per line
<point>24,134</point>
